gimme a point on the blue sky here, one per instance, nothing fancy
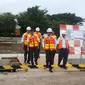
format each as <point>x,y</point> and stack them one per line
<point>53,6</point>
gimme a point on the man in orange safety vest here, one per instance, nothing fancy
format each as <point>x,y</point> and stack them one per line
<point>33,43</point>
<point>37,32</point>
<point>63,49</point>
<point>25,45</point>
<point>49,45</point>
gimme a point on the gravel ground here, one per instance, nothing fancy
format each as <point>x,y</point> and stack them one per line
<point>42,78</point>
<point>10,48</point>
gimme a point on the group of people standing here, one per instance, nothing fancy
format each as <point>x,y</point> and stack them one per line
<point>32,40</point>
<point>31,45</point>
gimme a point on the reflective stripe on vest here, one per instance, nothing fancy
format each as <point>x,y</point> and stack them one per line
<point>25,39</point>
<point>33,41</point>
<point>38,34</point>
<point>60,44</point>
<point>55,36</point>
<point>49,43</point>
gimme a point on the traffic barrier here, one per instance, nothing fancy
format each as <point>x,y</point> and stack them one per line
<point>25,67</point>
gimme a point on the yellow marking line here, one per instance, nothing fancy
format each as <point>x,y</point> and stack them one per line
<point>24,66</point>
<point>82,65</point>
<point>55,66</point>
<point>69,66</point>
<point>40,66</point>
<point>7,67</point>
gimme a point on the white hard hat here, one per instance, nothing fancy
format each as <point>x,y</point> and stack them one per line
<point>28,28</point>
<point>49,30</point>
<point>37,29</point>
<point>64,32</point>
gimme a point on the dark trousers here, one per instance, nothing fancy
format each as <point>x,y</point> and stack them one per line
<point>50,57</point>
<point>26,55</point>
<point>63,54</point>
<point>33,54</point>
<point>39,51</point>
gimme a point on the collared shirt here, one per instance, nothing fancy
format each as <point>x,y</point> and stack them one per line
<point>22,40</point>
<point>63,41</point>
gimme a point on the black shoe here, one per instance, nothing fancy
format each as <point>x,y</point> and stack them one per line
<point>36,63</point>
<point>28,62</point>
<point>39,57</point>
<point>25,62</point>
<point>65,67</point>
<point>32,64</point>
<point>50,70</point>
<point>58,64</point>
<point>46,65</point>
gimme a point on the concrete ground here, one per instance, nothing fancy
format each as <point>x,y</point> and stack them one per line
<point>42,76</point>
<point>37,77</point>
<point>75,59</point>
<point>41,60</point>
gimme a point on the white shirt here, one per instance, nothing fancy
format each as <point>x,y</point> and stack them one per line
<point>22,40</point>
<point>63,41</point>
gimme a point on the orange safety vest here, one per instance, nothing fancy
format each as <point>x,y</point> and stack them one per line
<point>33,41</point>
<point>60,44</point>
<point>38,34</point>
<point>55,36</point>
<point>49,44</point>
<point>25,38</point>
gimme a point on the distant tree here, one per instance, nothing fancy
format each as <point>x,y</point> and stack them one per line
<point>36,17</point>
<point>7,24</point>
<point>33,17</point>
<point>65,18</point>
